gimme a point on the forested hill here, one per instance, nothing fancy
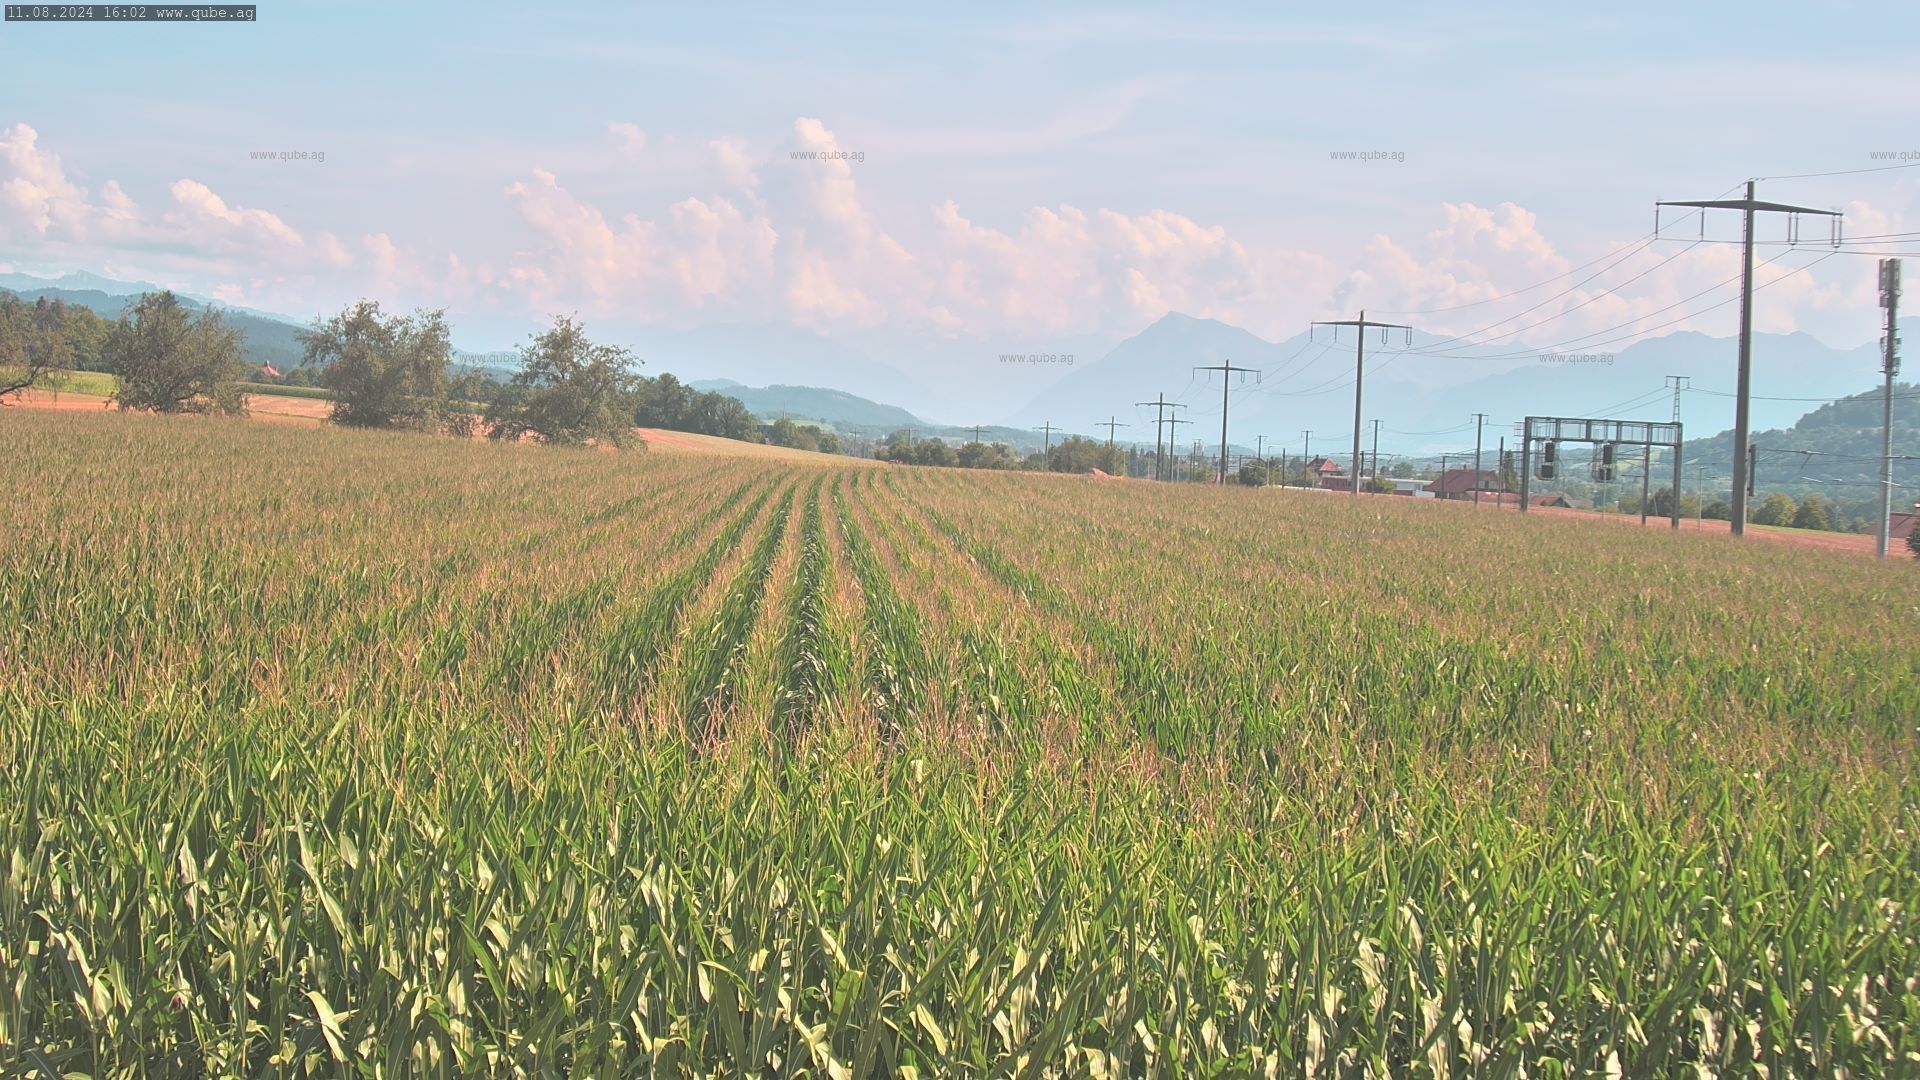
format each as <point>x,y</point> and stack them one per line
<point>262,340</point>
<point>1834,450</point>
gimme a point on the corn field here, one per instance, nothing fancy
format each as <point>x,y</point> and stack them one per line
<point>327,753</point>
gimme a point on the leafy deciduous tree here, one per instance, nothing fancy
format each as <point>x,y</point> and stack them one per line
<point>384,370</point>
<point>569,391</point>
<point>1812,514</point>
<point>170,362</point>
<point>1778,509</point>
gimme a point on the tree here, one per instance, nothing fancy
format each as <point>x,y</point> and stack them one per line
<point>1253,474</point>
<point>87,336</point>
<point>665,402</point>
<point>1913,542</point>
<point>470,387</point>
<point>662,402</point>
<point>1401,470</point>
<point>1717,510</point>
<point>384,370</point>
<point>1661,505</point>
<point>1078,454</point>
<point>1812,514</point>
<point>979,455</point>
<point>1380,485</point>
<point>1777,510</point>
<point>784,432</point>
<point>901,447</point>
<point>716,414</point>
<point>24,358</point>
<point>569,391</point>
<point>169,363</point>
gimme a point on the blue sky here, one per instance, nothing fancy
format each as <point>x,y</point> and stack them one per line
<point>1023,178</point>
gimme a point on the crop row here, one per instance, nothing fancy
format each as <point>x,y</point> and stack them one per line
<point>328,752</point>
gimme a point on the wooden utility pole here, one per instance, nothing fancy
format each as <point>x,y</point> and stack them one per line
<point>1376,448</point>
<point>1479,419</point>
<point>1359,374</point>
<point>1742,408</point>
<point>1889,366</point>
<point>1049,429</point>
<point>1110,423</point>
<point>1226,369</point>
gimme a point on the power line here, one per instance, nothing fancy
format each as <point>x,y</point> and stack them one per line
<point>1632,403</point>
<point>1636,245</point>
<point>1762,397</point>
<point>1658,326</point>
<point>1426,434</point>
<point>1840,172</point>
<point>1268,385</point>
<point>1742,413</point>
<point>1563,314</point>
<point>1831,454</point>
<point>1621,326</point>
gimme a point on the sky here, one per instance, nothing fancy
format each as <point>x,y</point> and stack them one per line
<point>1005,178</point>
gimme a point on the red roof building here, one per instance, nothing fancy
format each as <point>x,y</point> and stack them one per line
<point>1900,524</point>
<point>1460,484</point>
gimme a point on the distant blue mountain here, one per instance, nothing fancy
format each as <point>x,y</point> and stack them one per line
<point>1426,398</point>
<point>835,407</point>
<point>77,281</point>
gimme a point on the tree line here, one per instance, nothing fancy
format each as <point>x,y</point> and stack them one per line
<point>1073,454</point>
<point>48,335</point>
<point>381,370</point>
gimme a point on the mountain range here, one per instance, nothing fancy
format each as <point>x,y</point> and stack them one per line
<point>265,339</point>
<point>1425,390</point>
<point>1426,393</point>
